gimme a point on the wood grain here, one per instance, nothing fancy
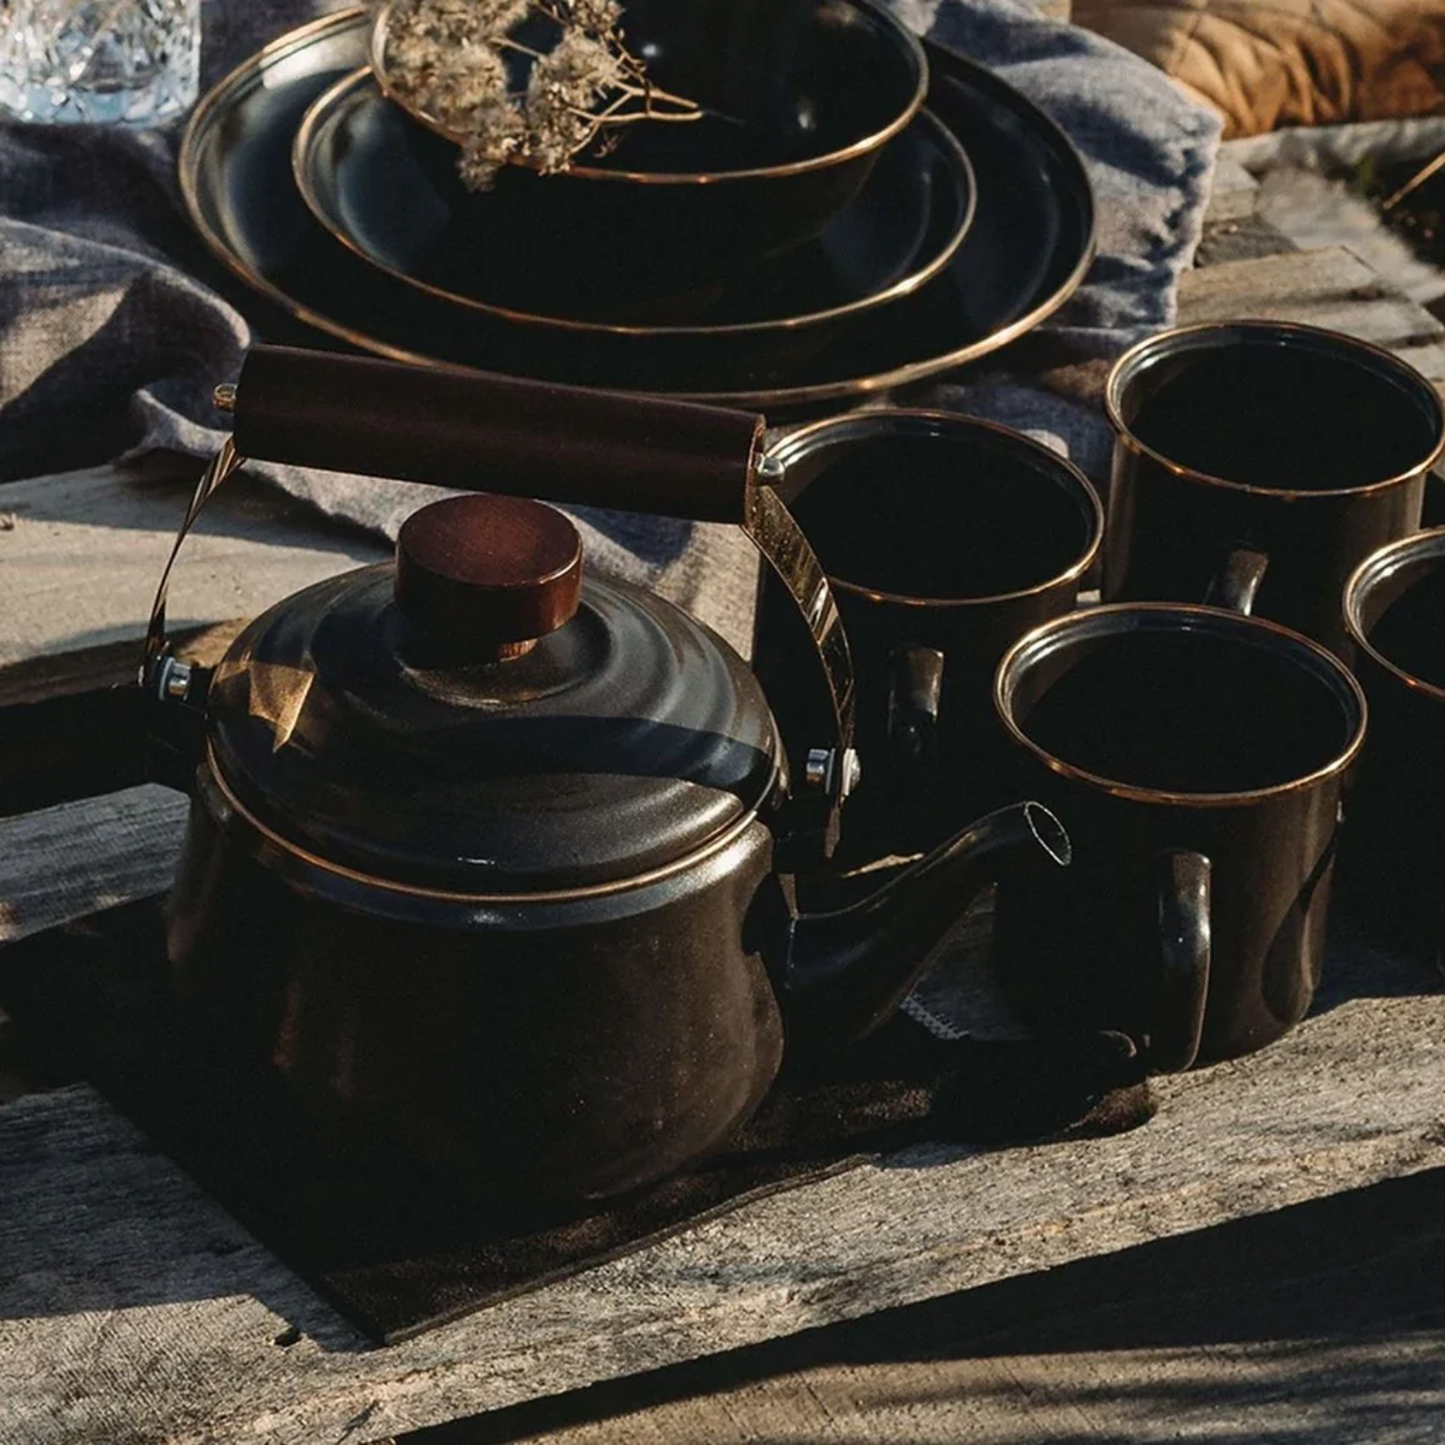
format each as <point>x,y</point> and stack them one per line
<point>1321,1323</point>
<point>80,557</point>
<point>72,725</point>
<point>1330,288</point>
<point>78,858</point>
<point>82,553</point>
<point>85,671</point>
<point>132,1310</point>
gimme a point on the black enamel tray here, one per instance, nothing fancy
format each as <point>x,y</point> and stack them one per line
<point>1030,245</point>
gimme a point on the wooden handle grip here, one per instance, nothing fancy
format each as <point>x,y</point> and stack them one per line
<point>501,434</point>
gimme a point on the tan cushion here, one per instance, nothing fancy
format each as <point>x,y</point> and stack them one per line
<point>1271,63</point>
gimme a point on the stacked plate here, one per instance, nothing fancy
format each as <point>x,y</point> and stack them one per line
<point>954,227</point>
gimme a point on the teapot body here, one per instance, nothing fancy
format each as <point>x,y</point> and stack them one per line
<point>491,864</point>
<point>564,1047</point>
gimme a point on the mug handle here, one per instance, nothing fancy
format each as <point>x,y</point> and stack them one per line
<point>1183,893</point>
<point>1236,584</point>
<point>915,687</point>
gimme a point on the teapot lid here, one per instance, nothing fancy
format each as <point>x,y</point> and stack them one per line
<point>478,718</point>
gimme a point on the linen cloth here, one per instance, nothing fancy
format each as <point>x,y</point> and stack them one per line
<point>116,323</point>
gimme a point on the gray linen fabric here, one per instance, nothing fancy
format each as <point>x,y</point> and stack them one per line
<point>115,323</point>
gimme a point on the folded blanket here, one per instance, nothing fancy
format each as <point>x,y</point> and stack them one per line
<point>1272,63</point>
<point>115,323</point>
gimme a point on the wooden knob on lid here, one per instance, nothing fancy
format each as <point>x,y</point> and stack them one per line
<point>486,576</point>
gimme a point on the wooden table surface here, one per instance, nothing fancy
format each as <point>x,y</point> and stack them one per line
<point>133,1309</point>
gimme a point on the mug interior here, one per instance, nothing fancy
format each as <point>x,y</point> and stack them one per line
<point>1181,703</point>
<point>1401,613</point>
<point>944,515</point>
<point>1300,415</point>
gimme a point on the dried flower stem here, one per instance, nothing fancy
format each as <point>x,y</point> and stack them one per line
<point>446,58</point>
<point>644,90</point>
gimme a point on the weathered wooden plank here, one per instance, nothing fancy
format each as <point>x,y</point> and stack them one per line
<point>82,553</point>
<point>80,556</point>
<point>1197,1337</point>
<point>78,858</point>
<point>88,670</point>
<point>72,725</point>
<point>132,1310</point>
<point>1381,1387</point>
<point>126,1315</point>
<point>1330,288</point>
<point>71,747</point>
<point>1243,240</point>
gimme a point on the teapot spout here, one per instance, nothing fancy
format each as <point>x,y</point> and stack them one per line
<point>848,970</point>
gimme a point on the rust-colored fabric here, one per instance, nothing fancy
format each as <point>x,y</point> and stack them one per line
<point>1272,63</point>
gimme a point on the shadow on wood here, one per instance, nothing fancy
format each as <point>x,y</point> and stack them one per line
<point>1321,1322</point>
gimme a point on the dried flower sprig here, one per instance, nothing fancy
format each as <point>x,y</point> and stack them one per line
<point>448,60</point>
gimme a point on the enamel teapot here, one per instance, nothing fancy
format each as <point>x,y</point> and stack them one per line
<point>491,860</point>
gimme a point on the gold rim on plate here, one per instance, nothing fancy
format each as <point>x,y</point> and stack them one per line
<point>215,102</point>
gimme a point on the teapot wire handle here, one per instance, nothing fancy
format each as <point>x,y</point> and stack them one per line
<point>774,531</point>
<point>160,671</point>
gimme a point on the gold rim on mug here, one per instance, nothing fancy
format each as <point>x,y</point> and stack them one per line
<point>340,21</point>
<point>318,112</point>
<point>1379,565</point>
<point>1326,666</point>
<point>862,146</point>
<point>793,446</point>
<point>1284,333</point>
